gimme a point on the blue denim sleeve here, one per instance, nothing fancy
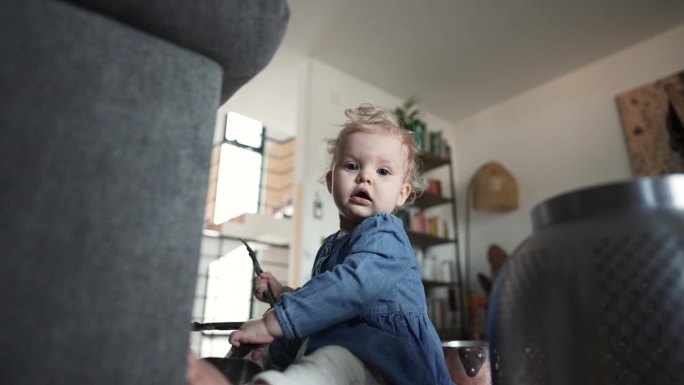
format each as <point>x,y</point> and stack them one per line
<point>380,255</point>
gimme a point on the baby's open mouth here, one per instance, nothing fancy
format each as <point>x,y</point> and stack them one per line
<point>363,195</point>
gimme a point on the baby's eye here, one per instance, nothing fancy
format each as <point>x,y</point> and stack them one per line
<point>384,172</point>
<point>351,166</point>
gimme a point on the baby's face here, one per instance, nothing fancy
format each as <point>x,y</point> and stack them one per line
<point>369,176</point>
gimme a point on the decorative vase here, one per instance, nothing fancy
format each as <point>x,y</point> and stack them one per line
<point>596,294</point>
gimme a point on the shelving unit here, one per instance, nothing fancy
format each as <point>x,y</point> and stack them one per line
<point>455,327</point>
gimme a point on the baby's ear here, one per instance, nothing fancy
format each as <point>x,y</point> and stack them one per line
<point>328,181</point>
<point>403,194</point>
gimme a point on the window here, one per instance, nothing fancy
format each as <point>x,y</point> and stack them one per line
<point>240,168</point>
<point>228,297</point>
<point>251,173</point>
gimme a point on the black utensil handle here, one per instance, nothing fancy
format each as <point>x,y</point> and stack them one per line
<point>197,326</point>
<point>270,296</point>
<point>240,351</point>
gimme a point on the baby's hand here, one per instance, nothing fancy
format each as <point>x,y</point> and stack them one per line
<point>252,332</point>
<point>262,283</point>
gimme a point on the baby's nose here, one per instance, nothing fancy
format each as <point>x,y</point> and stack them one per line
<point>363,177</point>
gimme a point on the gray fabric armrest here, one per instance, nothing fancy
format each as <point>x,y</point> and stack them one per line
<point>241,36</point>
<point>105,144</point>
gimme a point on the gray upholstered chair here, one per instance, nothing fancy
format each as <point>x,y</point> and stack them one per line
<point>107,111</point>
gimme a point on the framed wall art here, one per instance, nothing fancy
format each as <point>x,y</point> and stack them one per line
<point>651,118</point>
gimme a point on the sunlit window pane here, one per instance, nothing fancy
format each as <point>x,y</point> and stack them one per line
<point>244,130</point>
<point>229,288</point>
<point>237,190</point>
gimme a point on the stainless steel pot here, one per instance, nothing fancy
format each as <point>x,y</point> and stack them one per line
<point>238,371</point>
<point>595,294</point>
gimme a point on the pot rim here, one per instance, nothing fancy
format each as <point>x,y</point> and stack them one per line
<point>648,192</point>
<point>464,344</point>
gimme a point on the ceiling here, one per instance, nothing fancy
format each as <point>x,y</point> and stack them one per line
<point>461,56</point>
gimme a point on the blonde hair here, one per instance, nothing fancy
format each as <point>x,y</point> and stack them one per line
<point>369,118</point>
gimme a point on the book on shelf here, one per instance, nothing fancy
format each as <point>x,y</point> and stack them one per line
<point>435,142</point>
<point>419,132</point>
<point>419,223</point>
<point>437,146</point>
<point>447,271</point>
<point>434,187</point>
<point>427,267</point>
<point>439,313</point>
<point>433,226</point>
<point>451,298</point>
<point>434,269</point>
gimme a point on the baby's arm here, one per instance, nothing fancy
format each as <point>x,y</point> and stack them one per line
<point>378,260</point>
<point>266,280</point>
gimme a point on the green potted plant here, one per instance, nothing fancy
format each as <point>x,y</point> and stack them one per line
<point>409,117</point>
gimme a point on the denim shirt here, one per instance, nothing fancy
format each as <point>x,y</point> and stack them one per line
<point>366,295</point>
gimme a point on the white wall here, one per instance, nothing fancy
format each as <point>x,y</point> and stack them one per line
<point>329,92</point>
<point>561,136</point>
<point>272,96</point>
